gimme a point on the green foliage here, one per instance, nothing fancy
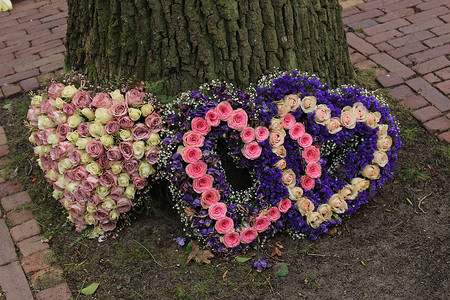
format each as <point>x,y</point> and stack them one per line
<point>90,289</point>
<point>414,174</point>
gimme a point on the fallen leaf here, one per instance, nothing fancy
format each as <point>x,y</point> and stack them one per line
<point>200,256</point>
<point>279,245</point>
<point>332,231</point>
<point>242,259</point>
<point>281,270</point>
<point>89,290</point>
<point>224,276</point>
<point>276,252</point>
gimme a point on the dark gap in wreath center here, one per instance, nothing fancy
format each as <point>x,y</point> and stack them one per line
<point>239,179</point>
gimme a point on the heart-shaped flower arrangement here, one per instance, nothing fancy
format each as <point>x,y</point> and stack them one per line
<point>313,154</point>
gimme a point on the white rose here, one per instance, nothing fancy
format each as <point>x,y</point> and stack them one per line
<point>382,129</point>
<point>65,203</point>
<point>42,149</point>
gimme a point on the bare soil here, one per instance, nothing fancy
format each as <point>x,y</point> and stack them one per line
<point>395,247</point>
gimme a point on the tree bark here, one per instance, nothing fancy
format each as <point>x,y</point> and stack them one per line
<point>183,43</point>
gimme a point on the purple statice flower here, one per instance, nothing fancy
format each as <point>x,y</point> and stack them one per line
<point>260,265</point>
<point>181,241</point>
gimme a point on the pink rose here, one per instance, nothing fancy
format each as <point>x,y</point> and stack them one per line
<point>151,155</point>
<point>248,235</point>
<point>65,147</point>
<point>102,100</point>
<point>261,223</point>
<point>212,118</point>
<point>311,154</point>
<point>252,150</point>
<point>68,109</point>
<point>305,140</point>
<point>276,138</point>
<point>238,119</point>
<point>81,99</point>
<point>288,178</point>
<point>261,133</point>
<point>94,148</point>
<point>334,126</point>
<point>47,106</point>
<point>118,109</point>
<point>297,131</point>
<point>191,154</point>
<point>288,121</point>
<point>248,134</point>
<point>90,183</point>
<point>154,122</point>
<point>57,116</point>
<point>62,130</point>
<point>108,179</point>
<point>196,170</point>
<point>101,214</point>
<point>123,205</point>
<point>139,183</point>
<point>69,196</point>
<point>217,211</point>
<point>313,170</point>
<point>231,240</point>
<point>224,225</point>
<point>95,199</point>
<point>69,175</point>
<point>55,89</point>
<point>112,127</point>
<point>293,101</point>
<point>126,148</point>
<point>81,173</point>
<point>83,130</point>
<point>125,122</point>
<point>224,110</point>
<point>114,154</point>
<point>77,209</point>
<point>284,205</point>
<point>115,193</point>
<point>130,166</point>
<point>273,214</point>
<point>75,157</point>
<point>209,197</point>
<point>81,194</point>
<point>323,114</point>
<point>307,182</point>
<point>134,97</point>
<point>32,115</point>
<point>140,132</point>
<point>348,118</point>
<point>103,162</point>
<point>107,225</point>
<point>193,139</point>
<point>199,125</point>
<point>203,183</point>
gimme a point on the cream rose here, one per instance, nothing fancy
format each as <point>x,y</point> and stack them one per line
<point>334,125</point>
<point>102,116</point>
<point>292,101</point>
<point>360,112</point>
<point>382,129</point>
<point>280,151</point>
<point>90,220</point>
<point>153,140</point>
<point>81,143</point>
<point>129,192</point>
<point>91,208</point>
<point>138,149</point>
<point>314,219</point>
<point>373,119</point>
<point>108,204</point>
<point>116,167</point>
<point>348,118</point>
<point>323,114</point>
<point>74,120</point>
<point>147,109</point>
<point>42,149</point>
<point>283,108</point>
<point>308,104</point>
<point>102,191</point>
<point>337,203</point>
<point>63,165</point>
<point>371,171</point>
<point>94,169</point>
<point>123,180</point>
<point>380,158</point>
<point>288,178</point>
<point>53,139</point>
<point>145,169</point>
<point>88,113</point>
<point>52,175</point>
<point>326,211</point>
<point>85,158</point>
<point>116,95</point>
<point>125,135</point>
<point>72,137</point>
<point>360,184</point>
<point>44,122</point>
<point>114,215</point>
<point>304,206</point>
<point>59,103</point>
<point>276,125</point>
<point>280,164</point>
<point>134,113</point>
<point>107,140</point>
<point>36,100</point>
<point>69,91</point>
<point>96,130</point>
<point>295,193</point>
<point>384,143</point>
<point>349,192</point>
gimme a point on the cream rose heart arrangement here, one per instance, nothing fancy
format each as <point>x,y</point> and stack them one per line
<point>313,155</point>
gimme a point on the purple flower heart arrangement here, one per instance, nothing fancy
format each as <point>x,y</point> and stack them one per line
<point>307,155</point>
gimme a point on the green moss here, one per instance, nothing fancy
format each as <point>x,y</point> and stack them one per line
<point>48,278</point>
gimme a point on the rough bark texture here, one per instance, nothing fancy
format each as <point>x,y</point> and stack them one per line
<point>184,43</point>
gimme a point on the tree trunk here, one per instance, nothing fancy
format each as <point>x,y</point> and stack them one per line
<point>183,43</point>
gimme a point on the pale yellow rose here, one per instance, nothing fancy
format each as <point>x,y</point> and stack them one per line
<point>91,208</point>
<point>145,169</point>
<point>308,104</point>
<point>125,135</point>
<point>384,143</point>
<point>349,192</point>
<point>380,158</point>
<point>337,203</point>
<point>116,95</point>
<point>326,211</point>
<point>107,140</point>
<point>280,164</point>
<point>53,139</point>
<point>94,169</point>
<point>371,171</point>
<point>90,220</point>
<point>114,215</point>
<point>102,191</point>
<point>147,109</point>
<point>138,149</point>
<point>134,114</point>
<point>314,219</point>
<point>62,182</point>
<point>102,116</point>
<point>44,122</point>
<point>69,91</point>
<point>382,129</point>
<point>36,100</point>
<point>59,103</point>
<point>360,112</point>
<point>32,138</point>
<point>72,137</point>
<point>42,149</point>
<point>108,204</point>
<point>123,180</point>
<point>65,203</point>
<point>96,130</point>
<point>360,184</point>
<point>153,140</point>
<point>81,143</point>
<point>295,193</point>
<point>280,151</point>
<point>129,192</point>
<point>53,175</point>
<point>85,158</point>
<point>74,120</point>
<point>64,164</point>
<point>304,205</point>
<point>373,119</point>
<point>116,167</point>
